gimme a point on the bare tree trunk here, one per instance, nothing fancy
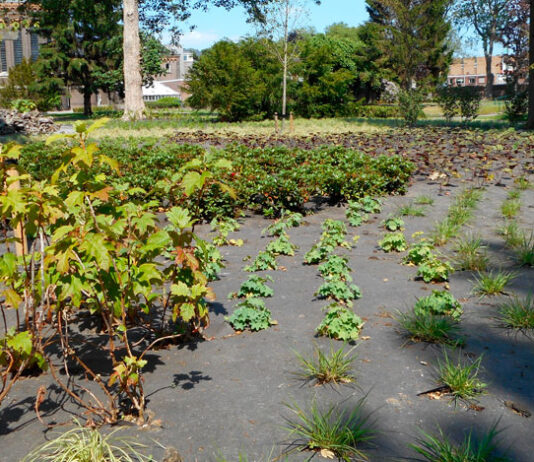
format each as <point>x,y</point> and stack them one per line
<point>87,109</point>
<point>134,105</point>
<point>284,83</point>
<point>489,75</point>
<point>530,120</point>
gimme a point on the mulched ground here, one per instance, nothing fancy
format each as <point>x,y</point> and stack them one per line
<point>226,396</point>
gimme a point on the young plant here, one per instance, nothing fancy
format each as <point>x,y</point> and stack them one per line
<point>318,253</point>
<point>332,432</point>
<point>471,254</point>
<point>460,377</point>
<point>263,262</point>
<point>440,448</point>
<point>434,270</point>
<point>254,286</point>
<point>369,204</point>
<point>339,291</point>
<point>211,259</point>
<point>419,253</point>
<point>423,200</point>
<point>356,217</point>
<point>250,314</point>
<point>410,210</point>
<point>281,246</point>
<point>510,208</point>
<point>223,227</point>
<point>335,268</point>
<point>430,328</point>
<point>517,313</point>
<point>444,231</point>
<point>332,367</point>
<point>525,250</point>
<point>287,220</point>
<point>82,444</point>
<point>394,224</point>
<point>492,283</point>
<point>440,303</point>
<point>340,323</point>
<point>393,242</point>
<point>511,233</point>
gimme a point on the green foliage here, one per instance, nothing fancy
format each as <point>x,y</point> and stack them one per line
<point>419,253</point>
<point>339,291</point>
<point>460,101</point>
<point>394,224</point>
<point>511,233</point>
<point>250,314</point>
<point>510,208</point>
<point>333,235</point>
<point>393,242</point>
<point>516,108</point>
<point>423,200</point>
<point>434,270</point>
<point>410,211</point>
<point>263,262</point>
<point>369,204</point>
<point>82,444</point>
<point>427,327</point>
<point>211,260</point>
<point>525,250</point>
<point>411,105</point>
<point>23,105</point>
<point>340,323</point>
<point>440,302</point>
<point>357,211</point>
<point>335,268</point>
<point>255,286</point>
<point>440,447</point>
<point>333,367</point>
<point>333,432</point>
<point>281,246</point>
<point>224,226</point>
<point>470,254</point>
<point>17,352</point>
<point>517,313</point>
<point>287,220</point>
<point>165,103</point>
<point>461,378</point>
<point>492,282</point>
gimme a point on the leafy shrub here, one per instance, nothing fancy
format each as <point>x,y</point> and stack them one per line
<point>340,323</point>
<point>516,108</point>
<point>23,105</point>
<point>434,270</point>
<point>462,101</point>
<point>411,105</point>
<point>164,103</point>
<point>393,242</point>
<point>394,224</point>
<point>419,253</point>
<point>335,268</point>
<point>339,291</point>
<point>255,286</point>
<point>440,302</point>
<point>250,314</point>
<point>263,262</point>
<point>281,246</point>
<point>211,259</point>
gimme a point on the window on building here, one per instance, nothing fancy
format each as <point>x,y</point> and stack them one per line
<point>3,57</point>
<point>34,38</point>
<point>459,81</point>
<point>482,80</point>
<point>472,81</point>
<point>17,49</point>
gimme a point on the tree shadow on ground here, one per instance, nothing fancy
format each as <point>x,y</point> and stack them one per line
<point>188,381</point>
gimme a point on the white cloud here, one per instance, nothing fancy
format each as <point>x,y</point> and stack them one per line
<point>199,39</point>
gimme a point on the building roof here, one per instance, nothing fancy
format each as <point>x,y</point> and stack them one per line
<point>159,89</point>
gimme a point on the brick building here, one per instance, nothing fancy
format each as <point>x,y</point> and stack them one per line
<point>472,71</point>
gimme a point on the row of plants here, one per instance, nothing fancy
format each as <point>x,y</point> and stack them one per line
<point>268,180</point>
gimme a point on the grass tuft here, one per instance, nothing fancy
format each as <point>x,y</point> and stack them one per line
<point>332,367</point>
<point>517,313</point>
<point>409,210</point>
<point>511,233</point>
<point>492,283</point>
<point>510,208</point>
<point>525,250</point>
<point>430,328</point>
<point>471,254</point>
<point>332,432</point>
<point>423,200</point>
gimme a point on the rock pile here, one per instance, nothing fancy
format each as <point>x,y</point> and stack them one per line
<point>31,123</point>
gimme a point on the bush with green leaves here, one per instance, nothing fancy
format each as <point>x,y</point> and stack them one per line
<point>281,246</point>
<point>434,270</point>
<point>264,261</point>
<point>339,290</point>
<point>165,103</point>
<point>411,105</point>
<point>335,268</point>
<point>440,302</point>
<point>516,107</point>
<point>251,314</point>
<point>23,105</point>
<point>255,286</point>
<point>286,220</point>
<point>419,252</point>
<point>461,101</point>
<point>211,259</point>
<point>394,224</point>
<point>393,242</point>
<point>340,323</point>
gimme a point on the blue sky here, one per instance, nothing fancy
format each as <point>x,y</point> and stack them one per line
<point>217,23</point>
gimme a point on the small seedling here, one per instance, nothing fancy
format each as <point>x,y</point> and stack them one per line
<point>459,215</point>
<point>335,268</point>
<point>522,183</point>
<point>517,313</point>
<point>339,291</point>
<point>369,204</point>
<point>461,378</point>
<point>250,314</point>
<point>423,200</point>
<point>281,246</point>
<point>409,210</point>
<point>394,224</point>
<point>511,233</point>
<point>525,250</point>
<point>211,258</point>
<point>263,262</point>
<point>340,323</point>
<point>430,328</point>
<point>224,227</point>
<point>440,302</point>
<point>434,270</point>
<point>440,448</point>
<point>514,194</point>
<point>332,367</point>
<point>492,283</point>
<point>288,220</point>
<point>443,231</point>
<point>510,208</point>
<point>419,253</point>
<point>393,242</point>
<point>254,286</point>
<point>471,254</point>
<point>332,432</point>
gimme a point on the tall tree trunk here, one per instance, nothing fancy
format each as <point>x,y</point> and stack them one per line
<point>284,83</point>
<point>530,120</point>
<point>489,74</point>
<point>87,108</point>
<point>134,106</point>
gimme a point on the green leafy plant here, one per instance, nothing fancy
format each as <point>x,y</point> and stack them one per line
<point>470,254</point>
<point>23,105</point>
<point>492,282</point>
<point>317,253</point>
<point>434,270</point>
<point>511,233</point>
<point>339,291</point>
<point>332,432</point>
<point>332,367</point>
<point>83,444</point>
<point>357,211</point>
<point>460,377</point>
<point>444,231</point>
<point>263,262</point>
<point>411,105</point>
<point>340,323</point>
<point>335,268</point>
<point>18,354</point>
<point>223,227</point>
<point>370,204</point>
<point>439,447</point>
<point>423,200</point>
<point>428,327</point>
<point>355,217</point>
<point>525,250</point>
<point>411,211</point>
<point>255,286</point>
<point>517,313</point>
<point>394,224</point>
<point>393,242</point>
<point>287,220</point>
<point>510,208</point>
<point>281,246</point>
<point>440,302</point>
<point>419,252</point>
<point>250,314</point>
<point>211,260</point>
